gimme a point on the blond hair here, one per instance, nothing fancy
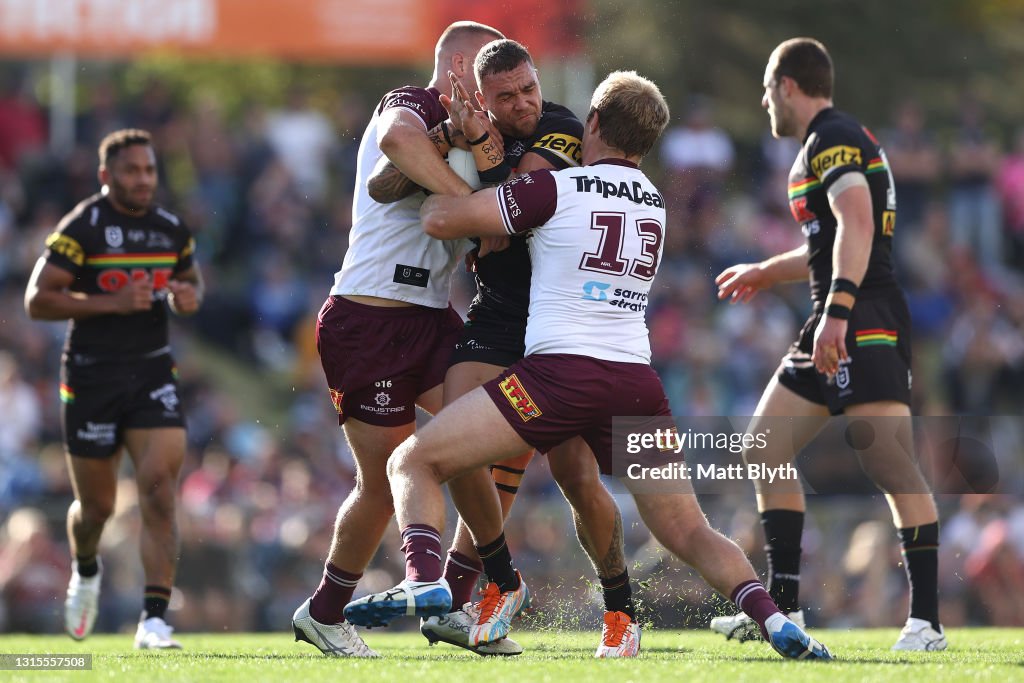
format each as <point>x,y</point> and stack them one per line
<point>632,112</point>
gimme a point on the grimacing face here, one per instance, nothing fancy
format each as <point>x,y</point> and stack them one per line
<point>132,178</point>
<point>514,100</point>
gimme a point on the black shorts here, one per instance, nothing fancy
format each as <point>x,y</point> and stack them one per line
<point>491,336</point>
<point>878,343</point>
<point>101,398</point>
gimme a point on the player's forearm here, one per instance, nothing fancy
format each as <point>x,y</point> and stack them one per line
<point>790,266</point>
<point>441,219</point>
<point>388,184</point>
<point>417,158</point>
<point>448,218</point>
<point>852,250</point>
<point>490,162</point>
<point>50,305</point>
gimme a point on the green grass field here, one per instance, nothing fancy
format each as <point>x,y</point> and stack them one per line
<point>670,656</point>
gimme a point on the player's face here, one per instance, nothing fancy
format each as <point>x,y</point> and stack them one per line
<point>778,112</point>
<point>514,100</point>
<point>774,102</point>
<point>131,177</point>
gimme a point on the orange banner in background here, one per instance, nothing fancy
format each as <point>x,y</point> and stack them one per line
<point>350,31</point>
<point>334,31</point>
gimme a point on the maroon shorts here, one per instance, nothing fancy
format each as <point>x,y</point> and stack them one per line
<point>552,397</point>
<point>378,360</point>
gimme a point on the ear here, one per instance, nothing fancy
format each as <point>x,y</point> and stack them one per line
<point>592,123</point>
<point>103,174</point>
<point>459,64</point>
<point>481,105</point>
<point>786,86</point>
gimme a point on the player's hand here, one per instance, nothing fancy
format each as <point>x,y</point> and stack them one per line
<point>742,282</point>
<point>830,345</point>
<point>489,244</point>
<point>462,110</point>
<point>136,296</point>
<point>458,138</point>
<point>182,297</point>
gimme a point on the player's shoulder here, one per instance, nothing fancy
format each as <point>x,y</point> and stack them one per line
<point>166,218</point>
<point>835,127</point>
<point>87,213</point>
<point>417,98</point>
<point>556,118</point>
<point>559,136</point>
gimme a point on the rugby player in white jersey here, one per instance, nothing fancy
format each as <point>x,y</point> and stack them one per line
<point>587,361</point>
<point>386,330</point>
<point>535,134</point>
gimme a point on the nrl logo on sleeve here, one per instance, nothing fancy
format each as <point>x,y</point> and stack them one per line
<point>834,157</point>
<point>513,390</point>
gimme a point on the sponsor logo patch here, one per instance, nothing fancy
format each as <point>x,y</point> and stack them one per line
<point>567,147</point>
<point>67,247</point>
<point>168,396</point>
<point>888,223</point>
<point>411,275</point>
<point>513,390</point>
<point>834,157</point>
<point>798,207</point>
<point>595,291</point>
<point>336,399</point>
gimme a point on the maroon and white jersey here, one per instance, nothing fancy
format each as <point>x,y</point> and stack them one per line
<point>596,246</point>
<point>389,256</point>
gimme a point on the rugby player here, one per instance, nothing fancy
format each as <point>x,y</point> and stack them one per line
<point>112,268</point>
<point>853,354</point>
<point>536,134</point>
<point>386,330</point>
<point>586,361</point>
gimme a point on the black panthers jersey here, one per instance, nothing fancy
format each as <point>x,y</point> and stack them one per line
<point>836,145</point>
<point>104,249</point>
<point>503,277</point>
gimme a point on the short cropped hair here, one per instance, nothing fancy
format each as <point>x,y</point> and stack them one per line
<point>499,56</point>
<point>807,62</point>
<point>113,143</point>
<point>464,28</point>
<point>632,112</point>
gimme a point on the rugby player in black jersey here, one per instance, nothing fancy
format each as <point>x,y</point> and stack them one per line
<point>853,353</point>
<point>112,268</point>
<point>535,134</point>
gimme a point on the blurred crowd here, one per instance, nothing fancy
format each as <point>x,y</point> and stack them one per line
<point>268,196</point>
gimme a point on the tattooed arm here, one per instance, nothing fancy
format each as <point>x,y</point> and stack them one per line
<point>387,184</point>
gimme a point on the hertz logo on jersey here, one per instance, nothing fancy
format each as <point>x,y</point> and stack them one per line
<point>834,157</point>
<point>567,147</point>
<point>513,390</point>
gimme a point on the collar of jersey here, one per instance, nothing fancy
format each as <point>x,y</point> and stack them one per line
<point>615,162</point>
